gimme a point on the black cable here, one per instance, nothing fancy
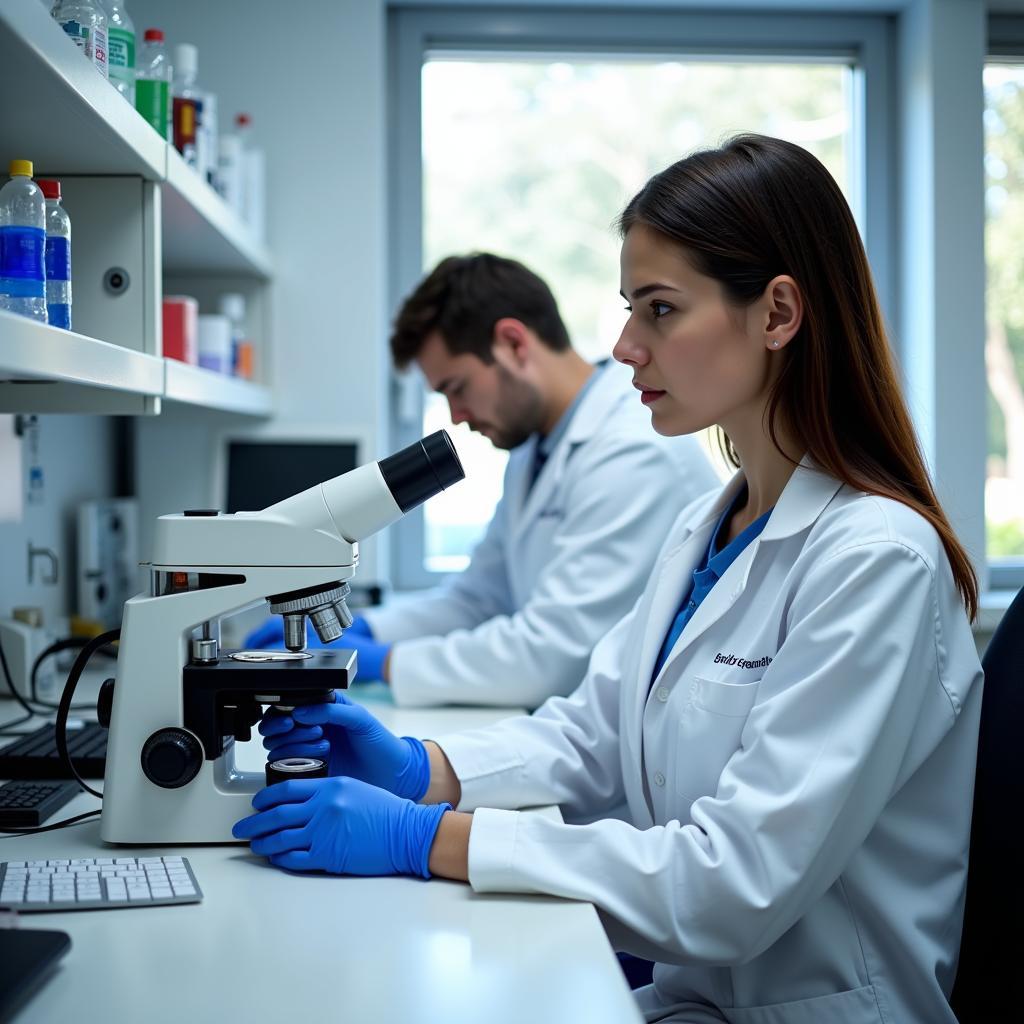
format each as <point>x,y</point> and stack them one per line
<point>61,725</point>
<point>69,643</point>
<point>10,833</point>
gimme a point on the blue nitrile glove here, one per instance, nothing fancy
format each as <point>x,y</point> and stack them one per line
<point>371,656</point>
<point>343,826</point>
<point>271,634</point>
<point>354,743</point>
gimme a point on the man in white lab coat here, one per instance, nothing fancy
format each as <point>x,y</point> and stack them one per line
<point>589,493</point>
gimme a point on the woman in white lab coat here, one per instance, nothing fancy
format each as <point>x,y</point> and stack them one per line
<point>790,712</point>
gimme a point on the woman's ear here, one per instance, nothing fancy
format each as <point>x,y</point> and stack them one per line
<point>785,312</point>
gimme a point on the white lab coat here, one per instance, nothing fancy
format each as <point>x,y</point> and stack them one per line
<point>559,565</point>
<point>799,778</point>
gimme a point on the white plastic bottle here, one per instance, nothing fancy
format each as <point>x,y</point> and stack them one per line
<point>230,171</point>
<point>253,178</point>
<point>23,244</point>
<point>85,22</point>
<point>121,48</point>
<point>58,256</point>
<point>153,82</point>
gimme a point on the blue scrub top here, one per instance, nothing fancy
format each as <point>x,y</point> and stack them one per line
<point>707,574</point>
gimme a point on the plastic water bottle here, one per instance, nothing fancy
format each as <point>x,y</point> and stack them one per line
<point>58,257</point>
<point>23,244</point>
<point>153,82</point>
<point>85,22</point>
<point>121,48</point>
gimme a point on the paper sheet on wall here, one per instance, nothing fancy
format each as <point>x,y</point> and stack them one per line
<point>11,479</point>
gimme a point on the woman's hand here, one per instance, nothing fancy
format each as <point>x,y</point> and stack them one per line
<point>354,744</point>
<point>343,826</point>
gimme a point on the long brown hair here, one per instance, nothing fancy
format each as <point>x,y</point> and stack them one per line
<point>759,207</point>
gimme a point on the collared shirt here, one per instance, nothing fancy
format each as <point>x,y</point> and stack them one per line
<point>708,573</point>
<point>547,443</point>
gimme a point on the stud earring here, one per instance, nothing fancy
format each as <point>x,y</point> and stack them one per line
<point>775,343</point>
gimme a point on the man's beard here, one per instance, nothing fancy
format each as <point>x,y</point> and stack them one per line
<point>519,413</point>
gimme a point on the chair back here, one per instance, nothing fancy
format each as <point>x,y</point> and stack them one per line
<point>992,947</point>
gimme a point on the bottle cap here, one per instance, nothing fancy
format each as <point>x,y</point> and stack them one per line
<point>243,120</point>
<point>232,305</point>
<point>22,167</point>
<point>51,188</point>
<point>186,59</point>
<point>154,35</point>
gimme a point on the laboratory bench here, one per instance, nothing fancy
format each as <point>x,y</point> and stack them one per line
<point>267,945</point>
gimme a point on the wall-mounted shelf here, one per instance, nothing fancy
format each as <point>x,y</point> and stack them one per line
<point>88,128</point>
<point>45,369</point>
<point>192,385</point>
<point>62,115</point>
<point>201,232</point>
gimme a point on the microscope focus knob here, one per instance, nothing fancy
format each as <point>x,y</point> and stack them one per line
<point>171,758</point>
<point>105,703</point>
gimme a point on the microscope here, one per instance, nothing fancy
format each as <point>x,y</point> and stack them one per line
<point>180,702</point>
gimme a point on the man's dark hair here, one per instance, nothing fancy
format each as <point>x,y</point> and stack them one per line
<point>463,297</point>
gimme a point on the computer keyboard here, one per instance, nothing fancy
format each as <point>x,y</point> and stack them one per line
<point>34,755</point>
<point>27,804</point>
<point>96,883</point>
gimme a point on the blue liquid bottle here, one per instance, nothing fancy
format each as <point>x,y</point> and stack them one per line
<point>58,257</point>
<point>22,244</point>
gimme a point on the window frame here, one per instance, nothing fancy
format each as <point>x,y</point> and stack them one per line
<point>1006,41</point>
<point>866,41</point>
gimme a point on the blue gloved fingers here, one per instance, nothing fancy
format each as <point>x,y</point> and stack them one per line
<point>372,655</point>
<point>360,627</point>
<point>284,816</point>
<point>295,860</point>
<point>269,634</point>
<point>285,841</point>
<point>273,723</point>
<point>322,750</point>
<point>300,734</point>
<point>290,792</point>
<point>353,717</point>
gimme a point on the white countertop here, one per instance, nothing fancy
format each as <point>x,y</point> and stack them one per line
<point>265,945</point>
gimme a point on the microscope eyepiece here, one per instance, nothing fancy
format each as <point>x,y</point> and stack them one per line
<point>421,470</point>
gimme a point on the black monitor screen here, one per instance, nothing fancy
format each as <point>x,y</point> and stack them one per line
<point>261,473</point>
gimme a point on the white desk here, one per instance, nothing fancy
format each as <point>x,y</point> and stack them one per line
<point>268,946</point>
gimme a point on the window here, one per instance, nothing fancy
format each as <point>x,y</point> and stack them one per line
<point>530,146</point>
<point>1004,308</point>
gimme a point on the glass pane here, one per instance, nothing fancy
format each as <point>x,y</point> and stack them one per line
<point>1004,341</point>
<point>534,159</point>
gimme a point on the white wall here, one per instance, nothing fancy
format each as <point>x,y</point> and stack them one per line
<point>76,455</point>
<point>312,74</point>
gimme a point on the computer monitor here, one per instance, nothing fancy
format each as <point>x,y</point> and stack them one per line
<point>264,471</point>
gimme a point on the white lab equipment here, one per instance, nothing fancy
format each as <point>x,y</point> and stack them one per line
<point>799,775</point>
<point>179,701</point>
<point>560,564</point>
